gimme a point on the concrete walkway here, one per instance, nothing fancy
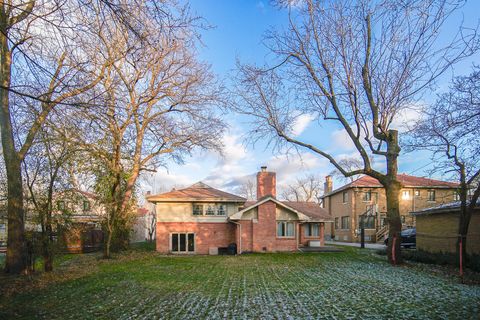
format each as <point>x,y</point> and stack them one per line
<point>353,244</point>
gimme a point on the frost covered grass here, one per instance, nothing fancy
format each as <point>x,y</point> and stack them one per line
<point>141,284</point>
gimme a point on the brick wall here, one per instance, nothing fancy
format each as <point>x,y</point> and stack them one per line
<point>304,239</point>
<point>266,184</point>
<point>355,206</point>
<point>437,233</point>
<point>206,235</point>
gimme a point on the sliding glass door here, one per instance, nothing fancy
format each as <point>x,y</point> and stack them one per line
<point>182,242</point>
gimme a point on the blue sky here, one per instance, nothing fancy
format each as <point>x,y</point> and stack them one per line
<point>239,26</point>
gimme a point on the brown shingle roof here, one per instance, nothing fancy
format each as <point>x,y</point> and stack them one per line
<point>405,179</point>
<point>311,209</point>
<point>196,192</point>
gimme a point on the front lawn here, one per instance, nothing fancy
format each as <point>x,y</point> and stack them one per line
<point>142,284</point>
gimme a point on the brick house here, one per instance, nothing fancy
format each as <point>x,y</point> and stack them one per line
<point>365,197</point>
<point>200,219</point>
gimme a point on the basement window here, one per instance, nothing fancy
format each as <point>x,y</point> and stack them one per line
<point>285,229</point>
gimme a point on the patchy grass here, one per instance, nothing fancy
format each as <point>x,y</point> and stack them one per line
<point>142,284</point>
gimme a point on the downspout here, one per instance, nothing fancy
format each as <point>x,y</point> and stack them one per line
<point>239,235</point>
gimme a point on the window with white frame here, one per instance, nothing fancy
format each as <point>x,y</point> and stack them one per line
<point>405,195</point>
<point>221,210</point>
<point>312,230</point>
<point>345,222</point>
<point>210,210</point>
<point>456,196</point>
<point>198,209</point>
<point>285,229</point>
<point>345,196</point>
<point>417,193</point>
<point>367,196</point>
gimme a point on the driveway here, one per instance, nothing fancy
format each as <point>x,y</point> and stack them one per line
<point>354,244</point>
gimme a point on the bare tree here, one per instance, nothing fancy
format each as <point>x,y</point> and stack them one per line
<point>248,190</point>
<point>41,46</point>
<point>357,63</point>
<point>307,189</point>
<point>45,171</point>
<point>349,164</point>
<point>159,103</point>
<point>450,129</point>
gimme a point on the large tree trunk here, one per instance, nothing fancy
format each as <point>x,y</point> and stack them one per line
<point>107,244</point>
<point>394,222</point>
<point>392,191</point>
<point>15,262</point>
<point>464,218</point>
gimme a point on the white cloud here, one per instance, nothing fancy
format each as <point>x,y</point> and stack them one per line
<point>405,118</point>
<point>341,141</point>
<point>301,123</point>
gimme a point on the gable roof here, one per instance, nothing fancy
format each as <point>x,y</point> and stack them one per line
<point>407,181</point>
<point>307,211</point>
<point>196,192</point>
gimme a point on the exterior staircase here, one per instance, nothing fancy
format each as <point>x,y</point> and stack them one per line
<point>379,236</point>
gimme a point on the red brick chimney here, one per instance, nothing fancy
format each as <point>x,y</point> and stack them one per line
<point>266,183</point>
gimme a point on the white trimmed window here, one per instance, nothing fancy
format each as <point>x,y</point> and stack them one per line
<point>210,210</point>
<point>345,196</point>
<point>456,196</point>
<point>312,230</point>
<point>285,229</point>
<point>367,196</point>
<point>345,222</point>
<point>405,195</point>
<point>198,209</point>
<point>221,210</point>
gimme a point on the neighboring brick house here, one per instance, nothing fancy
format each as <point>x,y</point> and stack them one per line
<point>437,229</point>
<point>200,219</point>
<point>366,196</point>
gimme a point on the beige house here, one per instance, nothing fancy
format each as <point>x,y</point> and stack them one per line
<point>204,220</point>
<point>365,197</point>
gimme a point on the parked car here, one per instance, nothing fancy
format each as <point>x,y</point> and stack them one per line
<point>409,238</point>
